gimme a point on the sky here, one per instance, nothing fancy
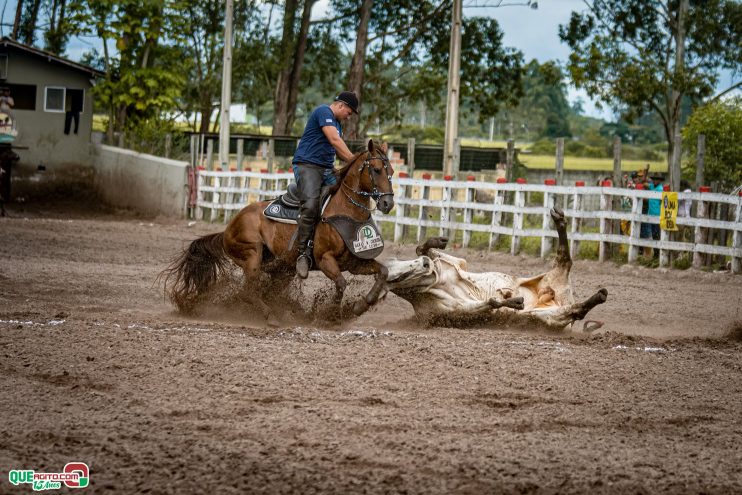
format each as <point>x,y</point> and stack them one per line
<point>535,32</point>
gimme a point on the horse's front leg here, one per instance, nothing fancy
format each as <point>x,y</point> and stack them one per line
<point>329,266</point>
<point>371,267</point>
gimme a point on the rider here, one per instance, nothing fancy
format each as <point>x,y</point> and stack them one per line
<point>314,163</point>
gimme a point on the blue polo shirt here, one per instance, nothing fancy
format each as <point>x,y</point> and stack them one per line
<point>314,147</point>
<point>654,205</point>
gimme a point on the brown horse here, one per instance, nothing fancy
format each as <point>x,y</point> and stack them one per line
<point>257,244</point>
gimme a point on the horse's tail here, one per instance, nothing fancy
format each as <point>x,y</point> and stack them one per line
<point>194,271</point>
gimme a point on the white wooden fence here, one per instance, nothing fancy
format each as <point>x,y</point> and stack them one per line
<point>427,207</point>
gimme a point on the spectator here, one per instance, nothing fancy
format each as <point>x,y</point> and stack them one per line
<point>6,101</point>
<point>654,207</point>
<point>684,204</point>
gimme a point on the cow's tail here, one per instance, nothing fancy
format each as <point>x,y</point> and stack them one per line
<point>194,271</point>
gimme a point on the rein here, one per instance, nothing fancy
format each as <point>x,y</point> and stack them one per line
<point>375,194</point>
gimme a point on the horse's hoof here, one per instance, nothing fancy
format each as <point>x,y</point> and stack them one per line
<point>360,307</point>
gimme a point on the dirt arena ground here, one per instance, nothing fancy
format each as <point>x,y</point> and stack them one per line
<point>97,367</point>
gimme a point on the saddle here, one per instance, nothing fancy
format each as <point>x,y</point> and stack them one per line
<point>285,208</point>
<point>363,239</point>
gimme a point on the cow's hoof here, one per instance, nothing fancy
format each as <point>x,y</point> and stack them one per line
<point>591,325</point>
<point>360,307</point>
<point>432,243</point>
<point>514,303</point>
<point>557,214</point>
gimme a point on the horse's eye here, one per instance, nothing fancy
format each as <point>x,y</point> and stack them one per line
<point>376,171</point>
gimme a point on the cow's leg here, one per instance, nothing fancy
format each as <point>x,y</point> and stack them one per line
<point>432,243</point>
<point>560,222</point>
<point>561,317</point>
<point>580,310</point>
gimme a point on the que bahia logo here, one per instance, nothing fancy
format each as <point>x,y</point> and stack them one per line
<point>74,475</point>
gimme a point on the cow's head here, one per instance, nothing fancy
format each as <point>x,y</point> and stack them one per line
<point>414,275</point>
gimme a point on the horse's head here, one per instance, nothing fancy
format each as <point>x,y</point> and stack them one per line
<point>377,182</point>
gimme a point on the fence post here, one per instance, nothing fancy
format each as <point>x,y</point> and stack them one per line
<point>411,156</point>
<point>271,154</point>
<point>240,153</point>
<point>546,218</point>
<point>401,213</point>
<point>168,144</point>
<point>445,229</point>
<point>215,199</point>
<point>194,147</point>
<point>737,236</point>
<point>263,185</point>
<point>229,196</point>
<point>209,154</point>
<point>617,161</point>
<point>497,214</point>
<point>422,214</point>
<point>200,197</point>
<point>636,225</point>
<point>700,155</point>
<point>605,229</point>
<point>519,202</point>
<point>701,233</point>
<point>470,191</point>
<point>509,160</point>
<point>574,247</point>
<point>559,161</point>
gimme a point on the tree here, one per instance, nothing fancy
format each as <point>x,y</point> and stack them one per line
<point>721,124</point>
<point>644,56</point>
<point>291,61</point>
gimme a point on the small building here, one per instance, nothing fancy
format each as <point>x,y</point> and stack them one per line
<point>50,93</point>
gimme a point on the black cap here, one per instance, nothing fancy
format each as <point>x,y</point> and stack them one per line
<point>350,99</point>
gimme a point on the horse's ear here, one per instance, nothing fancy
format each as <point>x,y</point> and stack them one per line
<point>384,147</point>
<point>370,145</point>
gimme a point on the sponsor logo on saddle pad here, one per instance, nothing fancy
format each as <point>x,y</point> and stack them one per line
<point>74,475</point>
<point>367,238</point>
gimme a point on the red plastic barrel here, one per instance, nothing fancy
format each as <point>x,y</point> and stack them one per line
<point>550,182</point>
<point>502,180</point>
<point>427,176</point>
<point>471,178</point>
<point>704,189</point>
<point>403,175</point>
<point>521,180</point>
<point>580,183</point>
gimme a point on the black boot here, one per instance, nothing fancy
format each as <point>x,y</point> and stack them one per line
<point>304,262</point>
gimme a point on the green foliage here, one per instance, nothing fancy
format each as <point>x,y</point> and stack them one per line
<point>721,123</point>
<point>623,53</point>
<point>422,135</point>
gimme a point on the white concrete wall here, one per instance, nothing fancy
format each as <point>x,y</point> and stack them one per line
<point>145,183</point>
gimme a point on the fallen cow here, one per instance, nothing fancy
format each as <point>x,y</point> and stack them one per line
<point>443,292</point>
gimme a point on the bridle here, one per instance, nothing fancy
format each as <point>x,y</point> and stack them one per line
<point>375,193</point>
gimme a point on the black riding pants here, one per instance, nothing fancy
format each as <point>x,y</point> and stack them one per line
<point>309,181</point>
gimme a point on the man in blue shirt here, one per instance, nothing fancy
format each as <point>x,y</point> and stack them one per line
<point>314,164</point>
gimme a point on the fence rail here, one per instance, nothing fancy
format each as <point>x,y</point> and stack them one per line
<point>455,208</point>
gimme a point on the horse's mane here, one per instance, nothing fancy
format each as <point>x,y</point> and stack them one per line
<point>340,173</point>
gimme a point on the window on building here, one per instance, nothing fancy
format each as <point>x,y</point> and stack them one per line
<point>75,100</point>
<point>54,99</point>
<point>24,96</point>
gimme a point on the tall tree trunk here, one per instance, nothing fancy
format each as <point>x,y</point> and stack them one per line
<point>357,69</point>
<point>206,111</point>
<point>301,48</point>
<point>17,21</point>
<point>677,95</point>
<point>286,50</point>
<point>29,23</point>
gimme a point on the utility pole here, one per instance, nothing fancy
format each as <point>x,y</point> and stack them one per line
<point>226,88</point>
<point>450,151</point>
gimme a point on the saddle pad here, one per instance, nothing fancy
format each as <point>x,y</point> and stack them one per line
<point>363,239</point>
<point>278,211</point>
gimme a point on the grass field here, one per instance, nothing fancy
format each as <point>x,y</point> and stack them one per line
<point>582,163</point>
